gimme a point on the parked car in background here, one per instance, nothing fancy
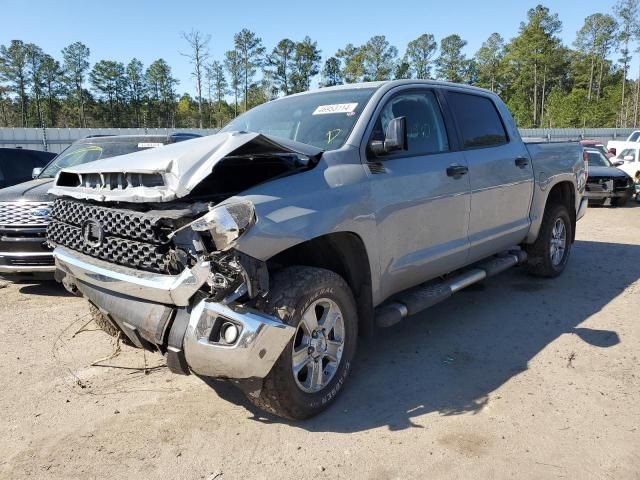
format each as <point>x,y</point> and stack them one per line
<point>17,164</point>
<point>598,146</point>
<point>606,181</point>
<point>628,160</point>
<point>259,253</point>
<point>632,141</point>
<point>25,208</point>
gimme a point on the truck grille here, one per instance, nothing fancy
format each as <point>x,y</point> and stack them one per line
<point>129,238</point>
<point>24,213</point>
<point>596,183</point>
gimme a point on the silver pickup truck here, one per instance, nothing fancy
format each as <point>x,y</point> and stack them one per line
<point>261,253</point>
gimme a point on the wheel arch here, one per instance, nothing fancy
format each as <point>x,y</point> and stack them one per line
<point>563,192</point>
<point>343,253</point>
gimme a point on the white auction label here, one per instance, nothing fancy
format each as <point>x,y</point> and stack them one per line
<point>335,108</point>
<point>150,145</point>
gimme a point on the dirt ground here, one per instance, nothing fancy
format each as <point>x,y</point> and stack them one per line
<point>513,378</point>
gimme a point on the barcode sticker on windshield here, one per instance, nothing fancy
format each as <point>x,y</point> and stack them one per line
<point>335,108</point>
<point>149,145</point>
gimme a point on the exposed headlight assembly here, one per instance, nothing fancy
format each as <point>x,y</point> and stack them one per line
<point>226,223</point>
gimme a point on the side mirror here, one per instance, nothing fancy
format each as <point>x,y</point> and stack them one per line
<point>618,163</point>
<point>36,171</point>
<point>612,151</point>
<point>395,138</point>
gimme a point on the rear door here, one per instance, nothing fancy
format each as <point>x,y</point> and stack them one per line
<point>422,212</point>
<point>500,174</point>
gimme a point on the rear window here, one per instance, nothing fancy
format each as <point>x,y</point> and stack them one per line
<point>478,120</point>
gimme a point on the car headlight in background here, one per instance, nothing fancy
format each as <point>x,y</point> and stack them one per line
<point>226,223</point>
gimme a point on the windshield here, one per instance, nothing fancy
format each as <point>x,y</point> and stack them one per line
<point>634,136</point>
<point>322,119</point>
<point>628,155</point>
<point>596,159</point>
<point>78,154</point>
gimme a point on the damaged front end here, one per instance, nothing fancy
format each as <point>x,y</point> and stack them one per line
<point>173,282</point>
<point>168,275</point>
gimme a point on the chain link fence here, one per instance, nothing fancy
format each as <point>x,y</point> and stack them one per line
<point>57,139</point>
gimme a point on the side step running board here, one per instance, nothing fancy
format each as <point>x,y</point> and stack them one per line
<point>421,297</point>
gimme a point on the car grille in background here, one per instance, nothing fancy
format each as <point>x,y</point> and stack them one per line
<point>31,261</point>
<point>619,183</point>
<point>24,213</point>
<point>132,239</point>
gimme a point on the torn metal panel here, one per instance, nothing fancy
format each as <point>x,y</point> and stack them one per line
<point>166,173</point>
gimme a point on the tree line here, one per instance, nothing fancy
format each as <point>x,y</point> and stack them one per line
<point>544,82</point>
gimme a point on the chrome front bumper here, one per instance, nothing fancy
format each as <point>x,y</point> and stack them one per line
<point>154,287</point>
<point>582,209</point>
<point>138,303</point>
<point>27,262</point>
<point>260,343</point>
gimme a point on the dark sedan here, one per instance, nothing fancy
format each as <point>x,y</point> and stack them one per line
<point>17,164</point>
<point>606,181</point>
<point>25,208</point>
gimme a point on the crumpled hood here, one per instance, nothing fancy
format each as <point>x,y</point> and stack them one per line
<point>606,172</point>
<point>182,166</point>
<point>31,191</point>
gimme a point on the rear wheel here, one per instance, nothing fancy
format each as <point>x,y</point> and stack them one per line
<point>548,255</point>
<point>315,364</point>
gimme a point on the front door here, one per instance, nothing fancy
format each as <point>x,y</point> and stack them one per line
<point>420,196</point>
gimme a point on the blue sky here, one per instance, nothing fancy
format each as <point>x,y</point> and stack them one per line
<point>119,30</point>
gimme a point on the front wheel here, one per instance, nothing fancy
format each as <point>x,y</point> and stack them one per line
<point>619,201</point>
<point>316,362</point>
<point>548,255</point>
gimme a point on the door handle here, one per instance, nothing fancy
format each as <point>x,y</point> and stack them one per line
<point>456,171</point>
<point>522,162</point>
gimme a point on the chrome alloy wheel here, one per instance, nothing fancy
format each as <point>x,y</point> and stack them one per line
<point>318,345</point>
<point>558,242</point>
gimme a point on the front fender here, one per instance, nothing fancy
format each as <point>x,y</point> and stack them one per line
<point>295,209</point>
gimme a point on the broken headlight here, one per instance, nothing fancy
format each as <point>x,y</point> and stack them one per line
<point>226,223</point>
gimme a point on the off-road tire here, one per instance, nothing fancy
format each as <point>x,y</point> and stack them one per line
<point>538,253</point>
<point>105,325</point>
<point>293,289</point>
<point>620,201</point>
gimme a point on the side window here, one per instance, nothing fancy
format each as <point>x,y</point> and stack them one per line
<point>18,167</point>
<point>478,120</point>
<point>426,132</point>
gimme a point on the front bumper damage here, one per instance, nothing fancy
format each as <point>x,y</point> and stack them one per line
<point>167,313</point>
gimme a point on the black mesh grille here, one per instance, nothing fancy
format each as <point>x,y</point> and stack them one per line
<point>132,239</point>
<point>122,223</point>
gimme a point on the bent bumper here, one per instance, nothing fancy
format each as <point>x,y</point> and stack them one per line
<point>260,341</point>
<point>604,194</point>
<point>163,312</point>
<point>582,208</point>
<point>171,289</point>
